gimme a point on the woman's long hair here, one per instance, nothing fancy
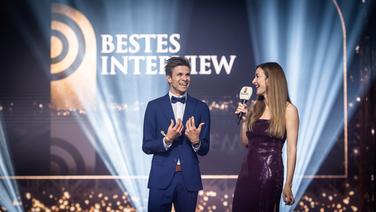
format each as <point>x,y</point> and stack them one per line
<point>278,96</point>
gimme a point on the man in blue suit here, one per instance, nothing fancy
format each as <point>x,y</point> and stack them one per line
<point>176,129</point>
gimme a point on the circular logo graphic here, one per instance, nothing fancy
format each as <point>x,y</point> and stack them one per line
<point>67,41</point>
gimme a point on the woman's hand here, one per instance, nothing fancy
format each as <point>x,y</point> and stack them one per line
<point>242,108</point>
<point>288,197</point>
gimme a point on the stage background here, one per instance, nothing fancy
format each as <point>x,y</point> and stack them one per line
<point>72,127</point>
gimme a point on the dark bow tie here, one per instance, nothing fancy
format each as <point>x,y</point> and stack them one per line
<point>176,99</point>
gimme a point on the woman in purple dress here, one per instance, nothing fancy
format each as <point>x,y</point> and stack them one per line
<point>267,123</point>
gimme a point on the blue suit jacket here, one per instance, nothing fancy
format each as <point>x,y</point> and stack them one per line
<point>157,118</point>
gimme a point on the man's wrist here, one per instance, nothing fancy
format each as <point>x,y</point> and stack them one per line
<point>167,140</point>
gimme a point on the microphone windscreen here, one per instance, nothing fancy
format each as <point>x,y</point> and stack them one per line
<point>245,93</point>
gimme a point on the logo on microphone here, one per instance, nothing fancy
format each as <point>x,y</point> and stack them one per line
<point>245,93</point>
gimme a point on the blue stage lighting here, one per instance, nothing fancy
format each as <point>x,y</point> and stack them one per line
<point>9,196</point>
<point>114,125</point>
<point>305,37</point>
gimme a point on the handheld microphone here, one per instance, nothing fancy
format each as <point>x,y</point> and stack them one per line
<point>244,95</point>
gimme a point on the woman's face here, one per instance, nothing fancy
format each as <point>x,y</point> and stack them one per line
<point>260,82</point>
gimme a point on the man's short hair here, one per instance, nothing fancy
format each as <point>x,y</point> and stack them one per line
<point>176,61</point>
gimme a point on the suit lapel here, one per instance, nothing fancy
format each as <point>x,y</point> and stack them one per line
<point>188,112</point>
<point>168,108</point>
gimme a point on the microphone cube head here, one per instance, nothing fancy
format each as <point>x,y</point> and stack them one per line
<point>245,93</point>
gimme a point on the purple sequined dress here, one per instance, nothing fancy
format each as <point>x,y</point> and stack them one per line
<point>260,181</point>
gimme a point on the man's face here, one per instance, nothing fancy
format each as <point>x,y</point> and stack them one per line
<point>179,80</point>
